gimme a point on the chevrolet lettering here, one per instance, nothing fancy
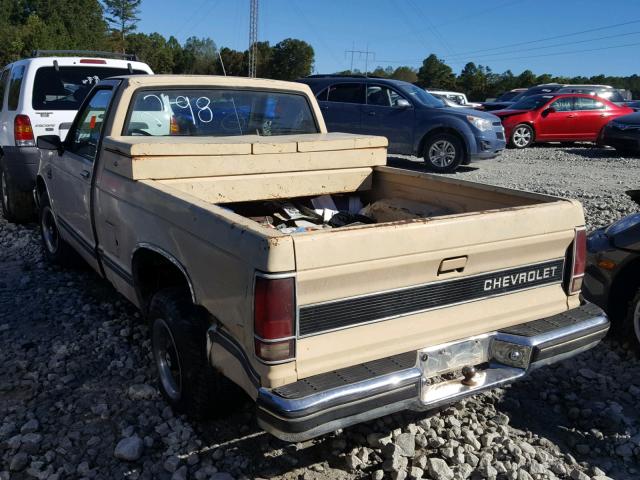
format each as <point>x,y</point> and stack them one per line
<point>198,199</point>
<point>523,278</point>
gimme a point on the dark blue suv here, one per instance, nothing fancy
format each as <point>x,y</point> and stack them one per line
<point>415,122</point>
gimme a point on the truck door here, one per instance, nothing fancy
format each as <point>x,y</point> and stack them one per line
<point>71,174</point>
<point>386,114</point>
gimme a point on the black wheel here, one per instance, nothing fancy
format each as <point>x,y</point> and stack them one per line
<point>56,249</point>
<point>630,329</point>
<point>178,339</point>
<point>443,153</point>
<point>17,205</point>
<point>522,136</point>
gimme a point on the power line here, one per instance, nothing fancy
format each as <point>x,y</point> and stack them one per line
<point>480,12</point>
<point>555,45</point>
<point>555,37</point>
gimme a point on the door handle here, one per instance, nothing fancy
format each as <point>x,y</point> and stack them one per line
<point>570,116</point>
<point>454,264</point>
<point>604,114</point>
<point>85,173</point>
<point>371,113</point>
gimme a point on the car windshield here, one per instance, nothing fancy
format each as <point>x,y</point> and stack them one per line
<point>218,113</point>
<point>64,88</point>
<point>508,96</point>
<point>419,95</point>
<point>530,103</point>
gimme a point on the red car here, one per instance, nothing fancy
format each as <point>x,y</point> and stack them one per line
<point>557,118</point>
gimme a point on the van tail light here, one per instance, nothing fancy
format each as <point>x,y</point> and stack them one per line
<point>578,261</point>
<point>174,128</point>
<point>274,318</point>
<point>93,61</point>
<point>22,132</point>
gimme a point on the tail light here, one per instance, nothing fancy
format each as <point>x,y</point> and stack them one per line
<point>22,132</point>
<point>578,261</point>
<point>274,318</point>
<point>94,61</point>
<point>174,128</point>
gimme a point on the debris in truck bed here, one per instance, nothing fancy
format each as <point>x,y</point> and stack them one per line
<point>395,209</point>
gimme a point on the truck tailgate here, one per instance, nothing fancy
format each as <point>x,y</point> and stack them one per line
<point>378,290</point>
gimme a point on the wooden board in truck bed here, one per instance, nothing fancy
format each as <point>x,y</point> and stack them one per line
<point>176,157</point>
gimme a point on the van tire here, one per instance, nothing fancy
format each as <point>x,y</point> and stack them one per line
<point>443,153</point>
<point>17,206</point>
<point>178,331</point>
<point>56,249</point>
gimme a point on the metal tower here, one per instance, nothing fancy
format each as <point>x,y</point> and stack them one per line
<point>253,38</point>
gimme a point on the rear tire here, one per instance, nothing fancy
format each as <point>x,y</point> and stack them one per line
<point>630,329</point>
<point>443,153</point>
<point>17,205</point>
<point>56,249</point>
<point>522,136</point>
<point>178,339</point>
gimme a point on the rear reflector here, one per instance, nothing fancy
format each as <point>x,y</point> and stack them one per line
<point>95,61</point>
<point>22,131</point>
<point>579,260</point>
<point>274,318</point>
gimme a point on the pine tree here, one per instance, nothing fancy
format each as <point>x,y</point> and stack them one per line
<point>122,16</point>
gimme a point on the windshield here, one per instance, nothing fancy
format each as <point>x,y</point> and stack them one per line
<point>530,103</point>
<point>218,113</point>
<point>507,96</point>
<point>419,95</point>
<point>64,88</point>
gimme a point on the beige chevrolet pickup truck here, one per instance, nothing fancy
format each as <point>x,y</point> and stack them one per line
<point>293,263</point>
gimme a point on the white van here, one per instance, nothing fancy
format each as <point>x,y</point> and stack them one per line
<point>40,96</point>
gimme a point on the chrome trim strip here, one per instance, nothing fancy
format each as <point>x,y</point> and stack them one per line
<point>416,312</point>
<point>171,258</point>
<point>276,340</point>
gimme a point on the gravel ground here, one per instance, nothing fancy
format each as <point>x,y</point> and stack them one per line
<point>78,398</point>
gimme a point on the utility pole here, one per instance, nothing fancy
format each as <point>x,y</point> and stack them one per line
<point>253,37</point>
<point>361,53</point>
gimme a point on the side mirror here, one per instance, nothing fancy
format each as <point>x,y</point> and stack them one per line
<point>49,142</point>
<point>549,110</point>
<point>402,103</point>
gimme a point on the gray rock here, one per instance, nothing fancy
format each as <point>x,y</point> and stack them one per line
<point>377,475</point>
<point>31,426</point>
<point>141,392</point>
<point>19,462</point>
<point>129,449</point>
<point>171,464</point>
<point>222,476</point>
<point>406,442</point>
<point>416,473</point>
<point>180,474</point>
<point>524,475</point>
<point>439,469</point>
<point>625,450</point>
<point>578,475</point>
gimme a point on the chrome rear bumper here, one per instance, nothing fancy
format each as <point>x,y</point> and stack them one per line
<point>324,403</point>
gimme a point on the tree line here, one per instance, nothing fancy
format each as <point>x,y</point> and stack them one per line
<point>27,25</point>
<point>480,81</point>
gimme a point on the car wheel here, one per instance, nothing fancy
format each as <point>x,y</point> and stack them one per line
<point>56,249</point>
<point>17,206</point>
<point>178,340</point>
<point>443,153</point>
<point>631,327</point>
<point>522,136</point>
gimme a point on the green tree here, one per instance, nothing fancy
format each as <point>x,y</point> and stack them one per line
<point>152,49</point>
<point>122,16</point>
<point>292,58</point>
<point>263,62</point>
<point>435,73</point>
<point>235,62</point>
<point>527,79</point>
<point>406,74</point>
<point>199,56</point>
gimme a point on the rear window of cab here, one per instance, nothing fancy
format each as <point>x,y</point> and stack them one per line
<point>218,112</point>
